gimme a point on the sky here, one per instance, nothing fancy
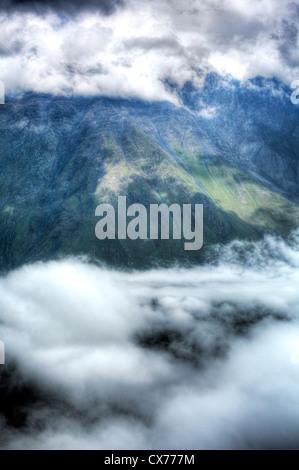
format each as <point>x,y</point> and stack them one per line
<point>129,48</point>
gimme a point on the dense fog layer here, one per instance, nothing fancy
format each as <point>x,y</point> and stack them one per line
<point>181,358</point>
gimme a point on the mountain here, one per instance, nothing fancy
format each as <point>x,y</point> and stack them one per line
<point>229,146</point>
<point>254,126</point>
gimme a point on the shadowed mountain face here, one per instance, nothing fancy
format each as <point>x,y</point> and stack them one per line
<point>232,148</point>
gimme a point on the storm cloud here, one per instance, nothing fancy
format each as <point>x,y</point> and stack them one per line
<point>203,358</point>
<point>71,7</point>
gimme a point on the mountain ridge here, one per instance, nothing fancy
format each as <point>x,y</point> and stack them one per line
<point>61,156</point>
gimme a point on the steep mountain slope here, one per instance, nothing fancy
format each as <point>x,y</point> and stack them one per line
<point>61,157</point>
<point>255,126</point>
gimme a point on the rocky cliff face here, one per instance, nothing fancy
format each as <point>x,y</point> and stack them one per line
<point>231,147</point>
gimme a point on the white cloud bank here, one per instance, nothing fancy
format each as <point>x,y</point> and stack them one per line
<point>131,51</point>
<point>170,359</point>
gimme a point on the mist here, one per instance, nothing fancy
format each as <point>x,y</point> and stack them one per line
<point>201,358</point>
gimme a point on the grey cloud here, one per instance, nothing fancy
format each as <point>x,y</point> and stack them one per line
<point>70,7</point>
<point>147,44</point>
<point>228,26</point>
<point>75,68</point>
<point>294,10</point>
<point>289,43</point>
<point>14,48</point>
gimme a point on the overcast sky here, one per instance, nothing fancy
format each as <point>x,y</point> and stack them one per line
<point>128,47</point>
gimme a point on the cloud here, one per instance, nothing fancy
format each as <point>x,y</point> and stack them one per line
<point>70,7</point>
<point>148,44</point>
<point>208,113</point>
<point>141,44</point>
<point>181,359</point>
